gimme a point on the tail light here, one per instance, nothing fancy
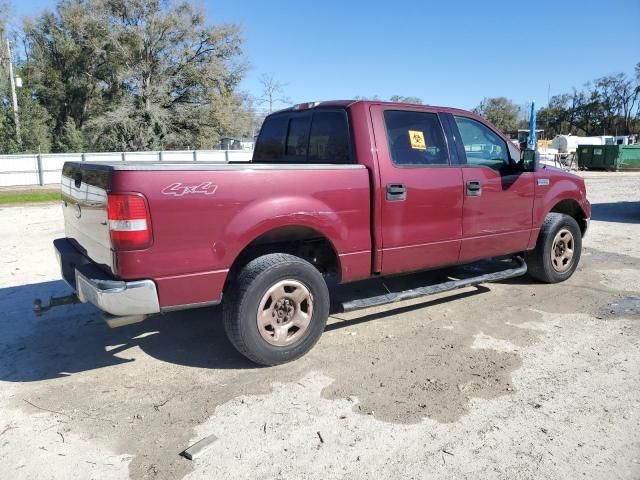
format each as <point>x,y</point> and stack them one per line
<point>129,221</point>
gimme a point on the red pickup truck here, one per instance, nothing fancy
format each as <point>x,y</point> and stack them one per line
<point>342,189</point>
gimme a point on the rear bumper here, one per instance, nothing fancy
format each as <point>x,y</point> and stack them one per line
<point>93,285</point>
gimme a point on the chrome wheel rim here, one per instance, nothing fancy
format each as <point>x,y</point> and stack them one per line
<point>562,250</point>
<point>285,312</point>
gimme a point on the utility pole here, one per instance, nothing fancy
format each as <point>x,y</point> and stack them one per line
<point>14,97</point>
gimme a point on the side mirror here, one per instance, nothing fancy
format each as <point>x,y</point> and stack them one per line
<point>530,160</point>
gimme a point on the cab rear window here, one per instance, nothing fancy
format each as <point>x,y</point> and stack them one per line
<point>319,136</point>
<point>270,144</point>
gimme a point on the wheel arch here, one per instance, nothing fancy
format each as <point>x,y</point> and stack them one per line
<point>299,240</point>
<point>571,207</point>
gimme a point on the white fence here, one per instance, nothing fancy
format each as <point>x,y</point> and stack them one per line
<point>43,169</point>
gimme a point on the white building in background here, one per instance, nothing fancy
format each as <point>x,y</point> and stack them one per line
<point>627,139</point>
<point>229,143</point>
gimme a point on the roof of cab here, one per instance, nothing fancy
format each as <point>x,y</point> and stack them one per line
<point>350,103</point>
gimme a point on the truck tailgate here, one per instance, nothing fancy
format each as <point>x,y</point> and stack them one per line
<point>84,203</point>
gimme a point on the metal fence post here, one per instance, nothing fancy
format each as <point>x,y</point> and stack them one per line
<point>195,155</point>
<point>82,159</point>
<point>40,173</point>
<point>226,156</point>
<point>123,157</point>
<point>160,155</point>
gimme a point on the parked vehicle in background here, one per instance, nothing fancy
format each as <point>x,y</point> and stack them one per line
<point>342,189</point>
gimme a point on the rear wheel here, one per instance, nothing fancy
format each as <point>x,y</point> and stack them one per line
<point>558,250</point>
<point>276,309</point>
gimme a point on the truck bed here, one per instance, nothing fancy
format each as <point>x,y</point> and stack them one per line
<point>204,214</point>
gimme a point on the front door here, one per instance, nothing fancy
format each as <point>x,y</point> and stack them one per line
<point>498,198</point>
<point>421,206</point>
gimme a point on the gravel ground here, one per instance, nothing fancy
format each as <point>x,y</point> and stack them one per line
<point>508,380</point>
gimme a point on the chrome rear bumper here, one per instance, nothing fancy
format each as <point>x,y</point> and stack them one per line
<point>93,285</point>
<point>118,297</point>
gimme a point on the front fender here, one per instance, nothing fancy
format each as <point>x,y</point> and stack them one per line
<point>561,186</point>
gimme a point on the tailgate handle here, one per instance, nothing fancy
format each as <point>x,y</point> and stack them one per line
<point>474,189</point>
<point>396,192</point>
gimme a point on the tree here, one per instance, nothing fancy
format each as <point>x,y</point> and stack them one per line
<point>175,67</point>
<point>272,91</point>
<point>500,111</point>
<point>35,122</point>
<point>629,98</point>
<point>72,62</point>
<point>133,74</point>
<point>401,99</point>
<point>72,138</point>
<point>231,116</point>
<point>605,106</point>
<point>35,125</point>
<point>393,98</point>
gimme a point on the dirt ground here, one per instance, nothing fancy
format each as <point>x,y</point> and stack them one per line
<point>508,380</point>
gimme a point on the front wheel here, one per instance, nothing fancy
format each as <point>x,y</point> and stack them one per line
<point>276,309</point>
<point>558,250</point>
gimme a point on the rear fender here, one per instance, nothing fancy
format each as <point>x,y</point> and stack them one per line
<point>263,216</point>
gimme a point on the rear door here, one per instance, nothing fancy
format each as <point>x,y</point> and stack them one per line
<point>498,197</point>
<point>421,190</point>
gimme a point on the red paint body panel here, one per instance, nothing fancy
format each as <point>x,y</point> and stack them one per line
<point>205,233</point>
<point>423,231</point>
<point>499,220</point>
<point>197,237</point>
<point>365,149</point>
<point>562,186</point>
<point>190,289</point>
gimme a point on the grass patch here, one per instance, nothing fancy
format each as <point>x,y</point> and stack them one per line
<point>29,196</point>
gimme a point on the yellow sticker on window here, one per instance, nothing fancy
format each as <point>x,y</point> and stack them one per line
<point>417,140</point>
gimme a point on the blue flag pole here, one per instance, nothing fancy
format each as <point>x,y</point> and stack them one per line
<point>532,128</point>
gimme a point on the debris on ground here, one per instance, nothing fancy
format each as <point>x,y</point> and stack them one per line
<point>199,447</point>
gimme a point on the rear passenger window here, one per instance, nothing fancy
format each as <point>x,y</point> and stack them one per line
<point>321,136</point>
<point>329,139</point>
<point>415,138</point>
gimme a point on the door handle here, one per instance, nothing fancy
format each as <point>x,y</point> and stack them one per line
<point>474,189</point>
<point>396,192</point>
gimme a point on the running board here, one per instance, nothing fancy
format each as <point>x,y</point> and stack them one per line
<point>393,297</point>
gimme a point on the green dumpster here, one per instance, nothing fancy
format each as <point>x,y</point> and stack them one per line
<point>609,157</point>
<point>629,157</point>
<point>584,154</point>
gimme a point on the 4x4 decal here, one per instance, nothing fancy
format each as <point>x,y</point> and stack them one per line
<point>179,189</point>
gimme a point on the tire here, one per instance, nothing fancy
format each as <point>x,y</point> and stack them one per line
<point>550,265</point>
<point>276,309</point>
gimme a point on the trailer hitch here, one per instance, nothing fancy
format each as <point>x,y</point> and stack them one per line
<point>39,309</point>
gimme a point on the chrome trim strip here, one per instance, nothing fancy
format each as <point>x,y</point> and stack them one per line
<point>187,306</point>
